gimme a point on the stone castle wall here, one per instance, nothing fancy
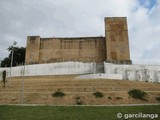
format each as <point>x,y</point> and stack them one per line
<point>89,49</point>
<point>113,47</point>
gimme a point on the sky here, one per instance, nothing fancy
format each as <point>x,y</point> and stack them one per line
<point>81,18</point>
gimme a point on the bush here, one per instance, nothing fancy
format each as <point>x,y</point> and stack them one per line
<point>58,93</point>
<point>158,98</point>
<point>109,97</point>
<point>78,100</point>
<point>137,94</point>
<point>118,98</point>
<point>98,94</point>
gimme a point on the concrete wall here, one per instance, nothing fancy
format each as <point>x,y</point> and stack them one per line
<point>60,68</point>
<point>134,72</point>
<point>128,72</point>
<point>101,76</point>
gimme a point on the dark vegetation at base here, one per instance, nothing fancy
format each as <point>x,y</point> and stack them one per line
<point>109,97</point>
<point>72,112</point>
<point>158,99</point>
<point>119,98</point>
<point>137,94</point>
<point>58,93</point>
<point>79,100</point>
<point>98,94</point>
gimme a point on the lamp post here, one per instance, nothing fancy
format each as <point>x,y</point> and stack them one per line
<point>14,43</point>
<point>22,94</point>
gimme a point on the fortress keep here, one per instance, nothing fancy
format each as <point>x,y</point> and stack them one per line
<point>114,47</point>
<point>91,57</point>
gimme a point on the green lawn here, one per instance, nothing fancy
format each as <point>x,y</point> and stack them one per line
<point>72,112</point>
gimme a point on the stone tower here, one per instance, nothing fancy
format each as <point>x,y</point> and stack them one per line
<point>32,50</point>
<point>117,44</point>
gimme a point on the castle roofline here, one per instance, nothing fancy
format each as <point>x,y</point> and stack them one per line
<point>69,37</point>
<point>113,17</point>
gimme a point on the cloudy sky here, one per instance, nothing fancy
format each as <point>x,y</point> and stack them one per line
<point>74,18</point>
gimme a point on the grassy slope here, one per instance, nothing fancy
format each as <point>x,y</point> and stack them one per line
<point>71,113</point>
<point>39,89</point>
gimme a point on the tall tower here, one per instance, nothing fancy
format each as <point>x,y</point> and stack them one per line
<point>117,44</point>
<point>32,50</point>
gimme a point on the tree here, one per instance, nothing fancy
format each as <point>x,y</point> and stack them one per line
<point>5,62</point>
<point>18,57</point>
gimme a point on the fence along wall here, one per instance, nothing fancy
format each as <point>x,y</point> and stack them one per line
<point>60,68</point>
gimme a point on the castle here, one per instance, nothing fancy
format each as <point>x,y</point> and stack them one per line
<point>114,47</point>
<point>91,57</point>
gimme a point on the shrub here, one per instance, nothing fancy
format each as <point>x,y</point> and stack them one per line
<point>137,94</point>
<point>158,98</point>
<point>78,100</point>
<point>98,94</point>
<point>109,97</point>
<point>118,98</point>
<point>58,93</point>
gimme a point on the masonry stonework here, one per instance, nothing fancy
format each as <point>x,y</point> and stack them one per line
<point>113,47</point>
<point>117,44</point>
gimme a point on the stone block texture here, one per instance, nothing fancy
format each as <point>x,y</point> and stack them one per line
<point>117,44</point>
<point>113,47</point>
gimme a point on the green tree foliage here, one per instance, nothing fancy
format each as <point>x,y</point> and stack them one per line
<point>5,62</point>
<point>18,57</point>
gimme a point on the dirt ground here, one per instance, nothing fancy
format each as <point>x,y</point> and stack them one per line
<point>39,90</point>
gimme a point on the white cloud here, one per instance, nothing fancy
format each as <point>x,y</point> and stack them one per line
<point>144,35</point>
<point>56,18</point>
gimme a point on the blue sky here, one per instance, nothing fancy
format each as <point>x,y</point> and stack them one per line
<point>147,3</point>
<point>74,18</point>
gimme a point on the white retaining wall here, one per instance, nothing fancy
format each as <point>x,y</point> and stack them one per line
<point>134,72</point>
<point>128,72</point>
<point>101,76</point>
<point>61,68</point>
